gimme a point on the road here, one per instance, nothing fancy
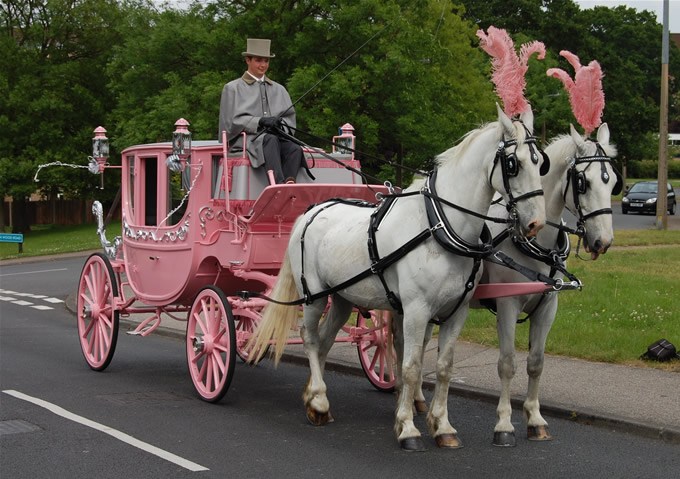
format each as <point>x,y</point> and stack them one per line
<point>632,221</point>
<point>148,422</point>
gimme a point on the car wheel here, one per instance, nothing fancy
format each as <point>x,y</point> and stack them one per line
<point>671,210</point>
<point>624,211</point>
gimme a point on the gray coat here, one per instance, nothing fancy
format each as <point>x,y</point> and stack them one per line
<point>241,107</point>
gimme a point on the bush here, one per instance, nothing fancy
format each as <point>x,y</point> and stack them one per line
<point>650,168</point>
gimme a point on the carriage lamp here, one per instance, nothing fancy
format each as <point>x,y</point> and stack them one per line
<point>100,153</point>
<point>181,145</point>
<point>344,142</point>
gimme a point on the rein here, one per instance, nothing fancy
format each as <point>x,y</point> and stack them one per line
<point>439,228</point>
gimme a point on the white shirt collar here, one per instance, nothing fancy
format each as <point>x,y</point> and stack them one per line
<point>254,77</point>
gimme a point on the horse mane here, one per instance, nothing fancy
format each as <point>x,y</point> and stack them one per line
<point>459,150</point>
<point>564,146</point>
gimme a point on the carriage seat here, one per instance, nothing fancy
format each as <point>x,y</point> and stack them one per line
<point>245,183</point>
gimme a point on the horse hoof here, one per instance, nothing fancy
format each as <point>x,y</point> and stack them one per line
<point>412,444</point>
<point>504,439</point>
<point>319,419</point>
<point>538,433</point>
<point>448,441</point>
<point>421,406</point>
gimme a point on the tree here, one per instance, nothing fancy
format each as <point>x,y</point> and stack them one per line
<point>626,43</point>
<point>53,88</point>
<point>417,85</point>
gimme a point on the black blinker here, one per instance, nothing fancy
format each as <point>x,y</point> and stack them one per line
<point>511,166</point>
<point>618,186</point>
<point>545,166</point>
<point>581,183</point>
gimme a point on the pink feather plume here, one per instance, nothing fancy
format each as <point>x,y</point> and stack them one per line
<point>509,69</point>
<point>585,91</point>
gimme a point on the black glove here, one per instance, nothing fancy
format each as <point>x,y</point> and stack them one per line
<point>269,122</point>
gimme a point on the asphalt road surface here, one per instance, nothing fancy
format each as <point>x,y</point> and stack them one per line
<point>140,418</point>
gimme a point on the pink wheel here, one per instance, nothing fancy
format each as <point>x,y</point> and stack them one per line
<point>211,344</point>
<point>97,318</point>
<point>245,326</point>
<point>376,351</point>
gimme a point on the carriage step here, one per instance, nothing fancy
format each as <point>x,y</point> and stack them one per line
<point>147,326</point>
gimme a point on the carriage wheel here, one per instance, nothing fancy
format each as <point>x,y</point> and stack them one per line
<point>376,351</point>
<point>211,344</point>
<point>245,325</point>
<point>97,318</point>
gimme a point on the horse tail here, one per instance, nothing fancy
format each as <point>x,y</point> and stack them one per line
<point>277,319</point>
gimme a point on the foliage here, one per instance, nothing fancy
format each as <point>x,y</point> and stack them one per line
<point>650,169</point>
<point>624,41</point>
<point>52,59</point>
<point>407,74</point>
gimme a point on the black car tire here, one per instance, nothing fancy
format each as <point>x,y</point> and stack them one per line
<point>624,211</point>
<point>671,210</point>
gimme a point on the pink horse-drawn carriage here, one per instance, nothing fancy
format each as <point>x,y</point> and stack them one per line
<point>197,232</point>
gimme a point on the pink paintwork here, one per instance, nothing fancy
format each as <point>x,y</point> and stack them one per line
<point>188,256</point>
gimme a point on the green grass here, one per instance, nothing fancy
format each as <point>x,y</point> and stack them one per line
<point>629,300</point>
<point>54,239</point>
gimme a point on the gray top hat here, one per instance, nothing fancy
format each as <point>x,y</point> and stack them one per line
<point>258,47</point>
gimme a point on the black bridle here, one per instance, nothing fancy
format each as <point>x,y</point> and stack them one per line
<point>510,169</point>
<point>579,184</point>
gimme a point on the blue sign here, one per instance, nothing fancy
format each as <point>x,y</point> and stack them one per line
<point>11,238</point>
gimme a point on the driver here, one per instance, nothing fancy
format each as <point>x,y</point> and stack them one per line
<point>257,105</point>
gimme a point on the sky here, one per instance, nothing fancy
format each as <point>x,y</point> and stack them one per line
<point>655,6</point>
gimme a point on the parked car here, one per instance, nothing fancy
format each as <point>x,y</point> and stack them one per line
<point>641,197</point>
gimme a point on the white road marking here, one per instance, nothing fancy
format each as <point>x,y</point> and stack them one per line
<point>27,295</point>
<point>34,272</point>
<point>21,302</point>
<point>42,308</point>
<point>121,436</point>
<point>53,300</point>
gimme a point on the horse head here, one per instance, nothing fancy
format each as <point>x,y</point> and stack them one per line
<point>588,187</point>
<point>515,173</point>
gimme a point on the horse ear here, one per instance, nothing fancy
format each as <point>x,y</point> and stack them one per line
<point>603,134</point>
<point>576,137</point>
<point>507,128</point>
<point>527,118</point>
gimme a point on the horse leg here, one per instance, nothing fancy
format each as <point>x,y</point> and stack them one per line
<point>314,394</point>
<point>504,431</point>
<point>419,402</point>
<point>407,433</point>
<point>398,343</point>
<point>438,417</point>
<point>541,322</point>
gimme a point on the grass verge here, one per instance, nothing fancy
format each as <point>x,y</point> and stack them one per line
<point>629,300</point>
<point>55,239</point>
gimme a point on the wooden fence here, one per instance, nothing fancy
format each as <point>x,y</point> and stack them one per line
<point>61,212</point>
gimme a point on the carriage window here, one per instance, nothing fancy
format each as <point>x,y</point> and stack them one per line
<point>150,190</point>
<point>217,173</point>
<point>179,183</point>
<point>131,183</point>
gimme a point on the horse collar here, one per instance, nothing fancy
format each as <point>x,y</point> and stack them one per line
<point>443,232</point>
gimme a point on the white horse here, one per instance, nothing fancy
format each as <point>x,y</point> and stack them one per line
<point>328,246</point>
<point>582,179</point>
